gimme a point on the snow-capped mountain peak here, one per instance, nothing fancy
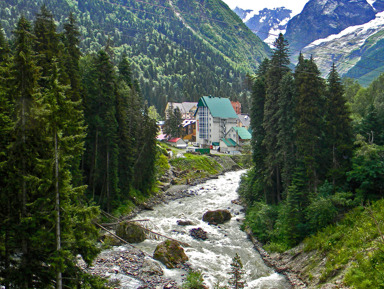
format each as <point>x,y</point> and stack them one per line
<point>266,23</point>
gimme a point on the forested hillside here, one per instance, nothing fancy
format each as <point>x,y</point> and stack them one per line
<point>318,153</point>
<point>180,50</point>
<point>74,140</point>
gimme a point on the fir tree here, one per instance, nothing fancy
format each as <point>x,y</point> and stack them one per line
<point>309,124</point>
<point>339,130</point>
<point>72,56</point>
<point>70,75</point>
<point>286,135</point>
<point>371,128</point>
<point>258,133</point>
<point>172,125</point>
<point>277,69</point>
<point>7,201</point>
<point>23,152</point>
<point>46,43</point>
<point>237,273</point>
<point>102,139</point>
<point>127,136</point>
<point>296,203</point>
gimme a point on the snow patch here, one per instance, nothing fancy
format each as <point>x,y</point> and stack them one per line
<point>369,28</point>
<point>284,21</point>
<point>370,2</point>
<point>273,34</point>
<point>250,15</point>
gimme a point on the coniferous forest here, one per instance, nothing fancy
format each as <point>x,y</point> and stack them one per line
<point>172,61</point>
<point>317,149</point>
<point>75,138</point>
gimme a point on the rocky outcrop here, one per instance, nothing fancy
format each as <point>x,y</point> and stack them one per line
<point>321,18</point>
<point>170,253</point>
<point>217,217</point>
<point>130,232</point>
<point>198,234</point>
<point>265,21</point>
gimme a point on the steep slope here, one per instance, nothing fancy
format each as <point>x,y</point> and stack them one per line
<point>180,49</point>
<point>266,23</point>
<point>357,51</point>
<point>321,18</point>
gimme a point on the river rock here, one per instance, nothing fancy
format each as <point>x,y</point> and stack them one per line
<point>130,232</point>
<point>184,223</point>
<point>111,240</point>
<point>150,268</point>
<point>170,253</point>
<point>198,233</point>
<point>217,217</point>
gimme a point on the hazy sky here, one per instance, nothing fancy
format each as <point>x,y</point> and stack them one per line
<point>295,5</point>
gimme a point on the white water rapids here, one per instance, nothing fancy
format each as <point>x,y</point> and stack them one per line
<point>214,255</point>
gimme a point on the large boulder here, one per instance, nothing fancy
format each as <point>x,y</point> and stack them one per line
<point>130,232</point>
<point>170,253</point>
<point>217,217</point>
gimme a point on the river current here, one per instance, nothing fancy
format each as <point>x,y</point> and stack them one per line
<point>214,255</point>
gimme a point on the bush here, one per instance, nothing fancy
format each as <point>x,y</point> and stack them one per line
<point>260,219</point>
<point>250,190</point>
<point>320,213</point>
<point>194,280</point>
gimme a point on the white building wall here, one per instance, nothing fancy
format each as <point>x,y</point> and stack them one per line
<point>217,129</point>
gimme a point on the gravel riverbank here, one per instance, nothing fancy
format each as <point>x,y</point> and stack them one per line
<point>127,267</point>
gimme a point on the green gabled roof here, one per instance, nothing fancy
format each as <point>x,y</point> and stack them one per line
<point>218,106</point>
<point>243,132</point>
<point>229,142</point>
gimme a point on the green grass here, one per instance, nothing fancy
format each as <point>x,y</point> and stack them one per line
<point>355,244</point>
<point>194,167</point>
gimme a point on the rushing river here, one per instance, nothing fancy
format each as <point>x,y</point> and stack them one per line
<point>214,255</point>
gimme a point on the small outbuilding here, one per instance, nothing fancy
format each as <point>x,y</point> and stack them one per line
<point>178,143</point>
<point>239,134</point>
<point>228,145</point>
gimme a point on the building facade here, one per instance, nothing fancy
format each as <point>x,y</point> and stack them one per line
<point>187,109</point>
<point>215,116</point>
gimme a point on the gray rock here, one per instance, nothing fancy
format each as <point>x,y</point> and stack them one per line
<point>150,267</point>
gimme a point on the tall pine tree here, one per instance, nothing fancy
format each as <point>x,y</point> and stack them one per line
<point>102,139</point>
<point>309,111</point>
<point>339,129</point>
<point>279,66</point>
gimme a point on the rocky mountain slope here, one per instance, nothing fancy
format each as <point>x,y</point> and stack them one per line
<point>348,33</point>
<point>321,18</point>
<point>266,23</point>
<point>180,49</point>
<point>356,50</point>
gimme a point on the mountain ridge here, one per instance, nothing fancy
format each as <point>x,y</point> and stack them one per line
<point>347,33</point>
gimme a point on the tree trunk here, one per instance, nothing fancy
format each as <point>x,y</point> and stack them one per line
<point>108,196</point>
<point>24,241</point>
<point>93,169</point>
<point>59,279</point>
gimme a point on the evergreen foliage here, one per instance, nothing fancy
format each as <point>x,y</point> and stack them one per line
<point>277,70</point>
<point>302,151</point>
<point>237,273</point>
<point>208,55</point>
<point>172,125</point>
<point>339,134</point>
<point>70,127</point>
